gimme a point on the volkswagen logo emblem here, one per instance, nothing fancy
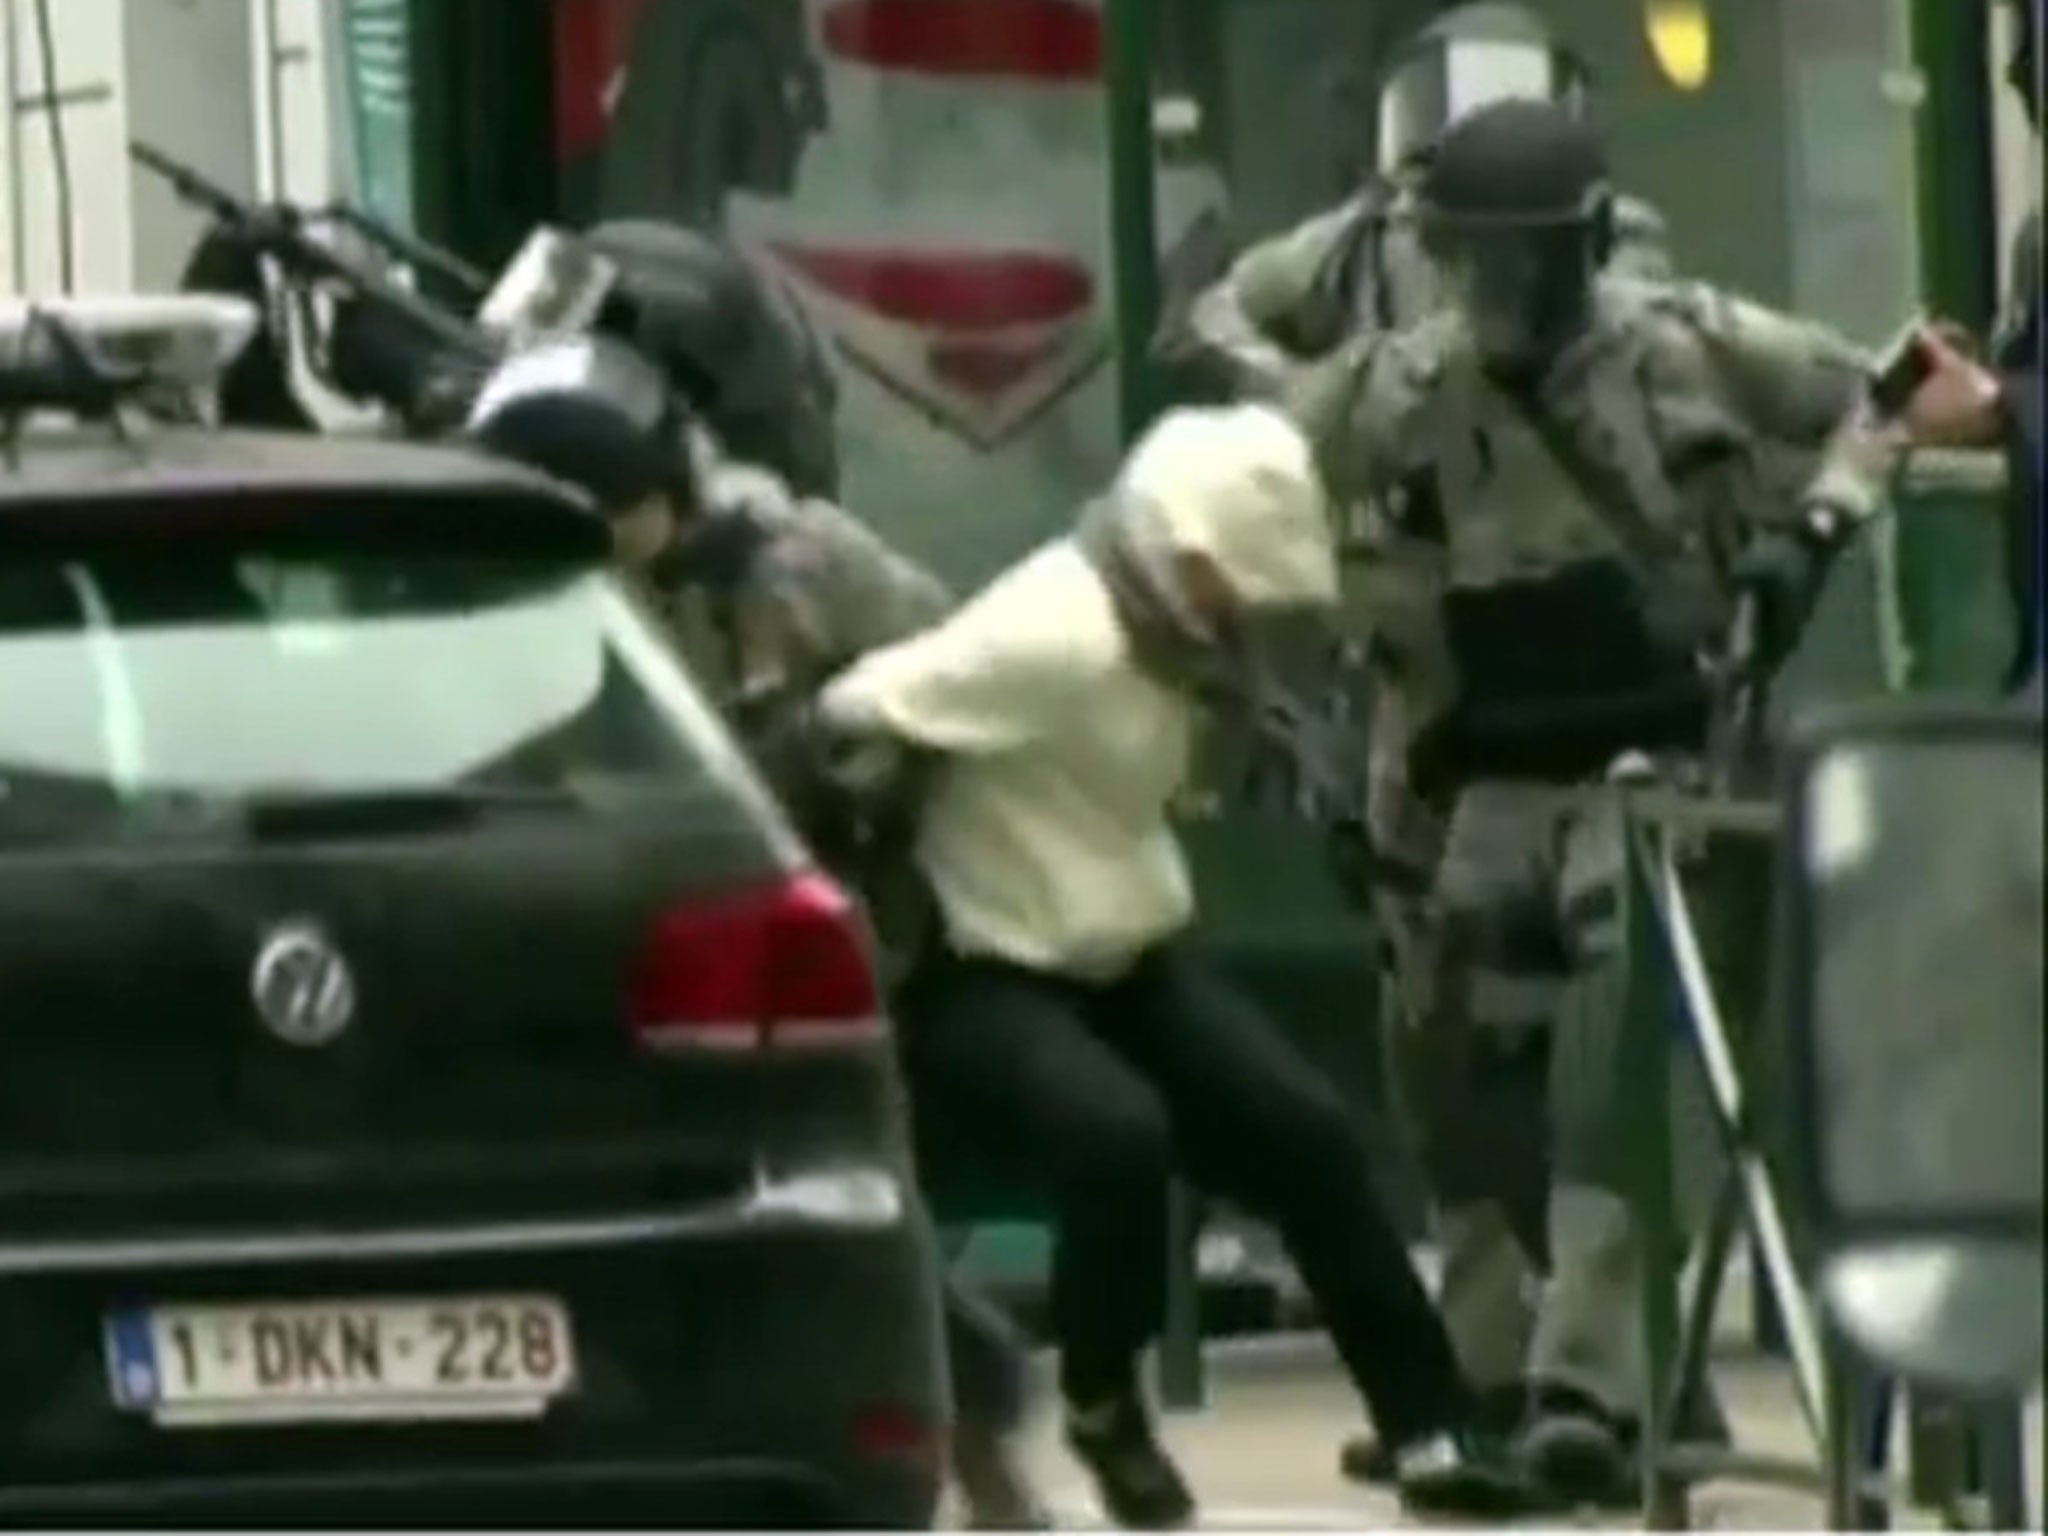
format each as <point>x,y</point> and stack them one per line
<point>301,986</point>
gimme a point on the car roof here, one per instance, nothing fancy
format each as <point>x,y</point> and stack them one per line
<point>88,479</point>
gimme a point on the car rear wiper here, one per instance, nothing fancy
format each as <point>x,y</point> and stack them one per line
<point>313,812</point>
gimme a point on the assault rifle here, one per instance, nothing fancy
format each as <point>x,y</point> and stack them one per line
<point>384,341</point>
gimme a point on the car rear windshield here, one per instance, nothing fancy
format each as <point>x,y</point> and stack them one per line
<point>218,674</point>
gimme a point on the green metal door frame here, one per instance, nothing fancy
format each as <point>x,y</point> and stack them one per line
<point>1957,204</point>
<point>1133,204</point>
<point>483,109</point>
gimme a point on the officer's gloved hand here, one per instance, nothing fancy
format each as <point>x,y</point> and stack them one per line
<point>842,789</point>
<point>1781,573</point>
<point>1353,865</point>
<point>715,551</point>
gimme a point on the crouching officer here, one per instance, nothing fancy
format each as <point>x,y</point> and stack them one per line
<point>1560,485</point>
<point>767,594</point>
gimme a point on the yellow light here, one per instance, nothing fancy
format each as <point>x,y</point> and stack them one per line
<point>1682,39</point>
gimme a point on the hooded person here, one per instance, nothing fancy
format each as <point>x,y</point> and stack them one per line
<point>1065,1022</point>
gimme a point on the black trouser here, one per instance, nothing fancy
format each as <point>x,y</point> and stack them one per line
<point>1101,1092</point>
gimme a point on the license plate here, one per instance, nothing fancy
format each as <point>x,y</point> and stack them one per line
<point>471,1357</point>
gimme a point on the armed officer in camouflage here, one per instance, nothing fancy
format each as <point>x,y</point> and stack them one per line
<point>1288,302</point>
<point>767,594</point>
<point>1292,299</point>
<point>1556,488</point>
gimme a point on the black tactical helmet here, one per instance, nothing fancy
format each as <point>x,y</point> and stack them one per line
<point>691,299</point>
<point>590,412</point>
<point>1518,164</point>
<point>733,342</point>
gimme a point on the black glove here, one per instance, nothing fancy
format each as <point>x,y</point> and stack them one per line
<point>847,792</point>
<point>1782,574</point>
<point>1353,864</point>
<point>716,550</point>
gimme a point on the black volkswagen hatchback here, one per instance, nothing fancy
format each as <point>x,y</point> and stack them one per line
<point>435,1087</point>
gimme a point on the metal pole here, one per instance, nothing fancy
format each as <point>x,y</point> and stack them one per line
<point>270,186</point>
<point>1768,1227</point>
<point>1134,246</point>
<point>1133,225</point>
<point>17,203</point>
<point>1954,157</point>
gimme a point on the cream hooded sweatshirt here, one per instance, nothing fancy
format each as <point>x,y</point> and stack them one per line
<point>1046,839</point>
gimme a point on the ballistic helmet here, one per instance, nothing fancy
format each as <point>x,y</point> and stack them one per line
<point>592,413</point>
<point>1518,164</point>
<point>733,342</point>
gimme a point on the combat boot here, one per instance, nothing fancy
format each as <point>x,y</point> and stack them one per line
<point>1500,1412</point>
<point>1461,1476</point>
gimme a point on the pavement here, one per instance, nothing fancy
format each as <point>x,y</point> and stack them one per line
<point>1263,1453</point>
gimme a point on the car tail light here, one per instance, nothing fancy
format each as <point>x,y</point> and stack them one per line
<point>783,964</point>
<point>892,1432</point>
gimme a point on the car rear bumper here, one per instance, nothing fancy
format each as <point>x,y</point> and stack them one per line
<point>744,1494</point>
<point>777,1365</point>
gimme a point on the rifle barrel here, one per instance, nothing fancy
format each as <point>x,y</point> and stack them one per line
<point>412,251</point>
<point>275,232</point>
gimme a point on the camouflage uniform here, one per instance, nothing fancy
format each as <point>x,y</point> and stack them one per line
<point>817,590</point>
<point>820,589</point>
<point>1293,299</point>
<point>1287,302</point>
<point>1698,420</point>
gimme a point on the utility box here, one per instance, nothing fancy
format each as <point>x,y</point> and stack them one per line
<point>1952,628</point>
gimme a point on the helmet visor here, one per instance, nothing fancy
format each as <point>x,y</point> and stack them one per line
<point>1447,77</point>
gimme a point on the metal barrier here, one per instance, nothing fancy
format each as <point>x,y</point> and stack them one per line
<point>1943,624</point>
<point>1664,831</point>
<point>1965,1462</point>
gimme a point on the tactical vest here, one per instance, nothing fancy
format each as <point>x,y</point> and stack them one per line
<point>1562,564</point>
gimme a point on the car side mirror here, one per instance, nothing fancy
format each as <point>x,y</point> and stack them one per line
<point>1912,958</point>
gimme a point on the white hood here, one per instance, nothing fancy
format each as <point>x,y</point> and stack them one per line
<point>1238,484</point>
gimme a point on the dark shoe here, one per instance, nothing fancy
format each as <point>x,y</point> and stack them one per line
<point>1578,1452</point>
<point>992,1483</point>
<point>1140,1487</point>
<point>1365,1459</point>
<point>1461,1477</point>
